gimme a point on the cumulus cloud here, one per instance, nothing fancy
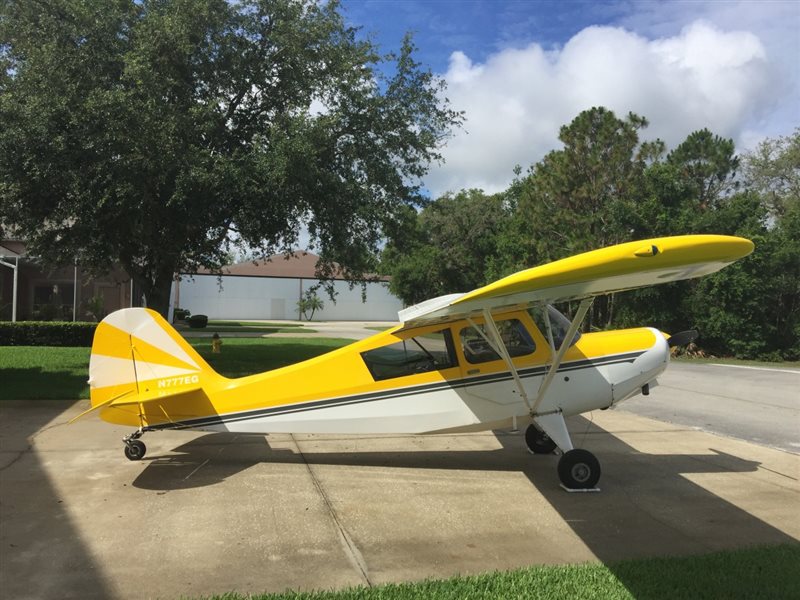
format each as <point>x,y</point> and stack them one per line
<point>517,99</point>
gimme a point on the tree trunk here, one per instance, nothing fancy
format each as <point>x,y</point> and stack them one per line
<point>157,292</point>
<point>610,311</point>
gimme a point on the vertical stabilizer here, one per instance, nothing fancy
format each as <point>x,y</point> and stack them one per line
<point>137,356</point>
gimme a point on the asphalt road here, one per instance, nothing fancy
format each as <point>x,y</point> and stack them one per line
<point>755,404</point>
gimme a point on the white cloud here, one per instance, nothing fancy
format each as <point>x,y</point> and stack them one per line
<point>516,101</point>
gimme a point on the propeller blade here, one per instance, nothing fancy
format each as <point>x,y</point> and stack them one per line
<point>683,338</point>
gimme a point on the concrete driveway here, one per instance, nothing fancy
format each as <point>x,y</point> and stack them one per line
<point>210,513</point>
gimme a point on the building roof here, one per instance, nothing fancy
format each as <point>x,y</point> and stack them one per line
<point>12,248</point>
<point>300,265</point>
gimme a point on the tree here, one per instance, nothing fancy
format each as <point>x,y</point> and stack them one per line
<point>745,309</point>
<point>752,308</point>
<point>157,133</point>
<point>709,164</point>
<point>773,171</point>
<point>581,197</point>
<point>571,198</point>
<point>447,248</point>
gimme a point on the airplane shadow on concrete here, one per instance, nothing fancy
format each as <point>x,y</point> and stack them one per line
<point>42,554</point>
<point>209,460</point>
<point>647,507</point>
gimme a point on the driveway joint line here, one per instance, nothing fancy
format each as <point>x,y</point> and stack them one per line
<point>351,550</point>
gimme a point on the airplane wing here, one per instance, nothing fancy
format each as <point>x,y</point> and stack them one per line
<point>612,269</point>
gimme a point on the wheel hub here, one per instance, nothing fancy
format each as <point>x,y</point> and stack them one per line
<point>581,472</point>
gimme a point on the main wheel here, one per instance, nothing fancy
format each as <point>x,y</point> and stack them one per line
<point>538,441</point>
<point>134,450</point>
<point>579,469</point>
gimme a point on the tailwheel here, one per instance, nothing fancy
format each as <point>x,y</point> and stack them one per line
<point>135,450</point>
<point>538,441</point>
<point>579,469</point>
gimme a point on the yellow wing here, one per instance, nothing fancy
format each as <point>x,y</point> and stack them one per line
<point>613,269</point>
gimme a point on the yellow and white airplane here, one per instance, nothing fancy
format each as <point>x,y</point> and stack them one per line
<point>488,359</point>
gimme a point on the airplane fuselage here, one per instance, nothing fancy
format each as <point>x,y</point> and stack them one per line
<point>459,385</point>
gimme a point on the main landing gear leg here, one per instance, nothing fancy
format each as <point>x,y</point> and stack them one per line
<point>578,469</point>
<point>134,448</point>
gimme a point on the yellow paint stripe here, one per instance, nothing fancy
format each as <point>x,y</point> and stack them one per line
<point>605,343</point>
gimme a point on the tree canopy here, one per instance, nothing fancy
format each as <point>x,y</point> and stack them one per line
<point>156,133</point>
<point>447,247</point>
<point>607,186</point>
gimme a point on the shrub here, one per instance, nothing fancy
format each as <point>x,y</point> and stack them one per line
<point>46,333</point>
<point>197,321</point>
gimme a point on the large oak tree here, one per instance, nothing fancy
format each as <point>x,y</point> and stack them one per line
<point>156,133</point>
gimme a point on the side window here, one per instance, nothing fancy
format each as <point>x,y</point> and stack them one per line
<point>428,352</point>
<point>516,338</point>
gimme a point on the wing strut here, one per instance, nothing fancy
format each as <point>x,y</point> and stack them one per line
<point>565,344</point>
<point>496,343</point>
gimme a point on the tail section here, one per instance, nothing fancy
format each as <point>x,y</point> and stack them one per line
<point>137,358</point>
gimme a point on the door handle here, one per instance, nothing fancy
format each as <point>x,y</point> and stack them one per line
<point>473,371</point>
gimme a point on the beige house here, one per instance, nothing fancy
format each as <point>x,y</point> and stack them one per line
<point>271,289</point>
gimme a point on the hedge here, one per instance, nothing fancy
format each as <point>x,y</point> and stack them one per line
<point>46,333</point>
<point>197,321</point>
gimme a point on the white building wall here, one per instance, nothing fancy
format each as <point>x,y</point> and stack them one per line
<point>276,298</point>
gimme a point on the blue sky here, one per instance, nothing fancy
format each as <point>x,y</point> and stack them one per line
<point>520,70</point>
<point>478,28</point>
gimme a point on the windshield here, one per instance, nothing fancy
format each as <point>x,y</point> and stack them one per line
<point>559,324</point>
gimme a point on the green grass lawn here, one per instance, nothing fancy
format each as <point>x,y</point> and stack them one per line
<point>752,573</point>
<point>245,356</point>
<point>47,373</point>
<point>43,372</point>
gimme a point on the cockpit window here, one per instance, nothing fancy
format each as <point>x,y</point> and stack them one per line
<point>517,340</point>
<point>559,324</point>
<point>429,352</point>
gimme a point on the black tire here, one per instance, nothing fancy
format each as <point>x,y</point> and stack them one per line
<point>538,441</point>
<point>579,469</point>
<point>134,450</point>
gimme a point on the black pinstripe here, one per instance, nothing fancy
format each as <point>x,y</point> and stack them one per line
<point>395,393</point>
